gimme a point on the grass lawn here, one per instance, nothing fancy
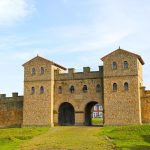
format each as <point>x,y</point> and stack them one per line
<point>129,137</point>
<point>97,121</point>
<point>11,138</point>
<point>76,138</point>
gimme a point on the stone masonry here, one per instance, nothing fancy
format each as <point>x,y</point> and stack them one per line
<point>11,110</point>
<point>53,96</point>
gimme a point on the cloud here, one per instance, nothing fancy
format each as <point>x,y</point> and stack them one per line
<point>12,11</point>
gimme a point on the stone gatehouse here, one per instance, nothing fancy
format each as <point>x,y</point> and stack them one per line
<point>54,96</point>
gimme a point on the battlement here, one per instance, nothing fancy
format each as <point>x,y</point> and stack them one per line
<point>144,92</point>
<point>73,75</point>
<point>11,110</point>
<point>14,97</point>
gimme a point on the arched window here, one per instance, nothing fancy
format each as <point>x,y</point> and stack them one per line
<point>114,86</point>
<point>42,70</point>
<point>114,65</point>
<point>126,86</point>
<point>98,88</point>
<point>32,90</point>
<point>33,71</point>
<point>59,89</point>
<point>85,88</point>
<point>125,65</point>
<point>72,89</point>
<point>41,89</point>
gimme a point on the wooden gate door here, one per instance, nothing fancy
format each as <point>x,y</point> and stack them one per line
<point>66,114</point>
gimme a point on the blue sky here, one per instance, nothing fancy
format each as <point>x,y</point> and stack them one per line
<point>73,33</point>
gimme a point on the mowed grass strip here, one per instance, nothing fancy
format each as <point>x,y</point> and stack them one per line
<point>97,121</point>
<point>76,138</point>
<point>136,137</point>
<point>69,138</point>
<point>11,138</point>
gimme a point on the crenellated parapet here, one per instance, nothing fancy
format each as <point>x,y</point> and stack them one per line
<point>145,104</point>
<point>11,110</point>
<point>14,97</point>
<point>144,93</point>
<point>73,75</point>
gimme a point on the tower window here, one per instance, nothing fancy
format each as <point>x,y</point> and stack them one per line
<point>33,71</point>
<point>42,70</point>
<point>85,88</point>
<point>72,89</point>
<point>114,87</point>
<point>59,89</point>
<point>98,88</point>
<point>125,65</point>
<point>41,89</point>
<point>32,90</point>
<point>126,86</point>
<point>114,65</point>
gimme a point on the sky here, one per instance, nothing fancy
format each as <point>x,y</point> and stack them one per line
<point>72,33</point>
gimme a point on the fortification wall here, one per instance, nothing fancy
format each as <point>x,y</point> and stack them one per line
<point>11,110</point>
<point>72,75</point>
<point>78,98</point>
<point>145,105</point>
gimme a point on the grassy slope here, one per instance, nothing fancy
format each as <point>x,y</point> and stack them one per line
<point>76,138</point>
<point>129,137</point>
<point>69,138</point>
<point>11,138</point>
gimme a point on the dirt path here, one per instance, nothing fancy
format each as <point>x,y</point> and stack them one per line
<point>69,138</point>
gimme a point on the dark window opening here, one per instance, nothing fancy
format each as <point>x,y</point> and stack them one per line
<point>32,90</point>
<point>72,89</point>
<point>60,90</point>
<point>33,71</point>
<point>115,87</point>
<point>42,90</point>
<point>125,65</point>
<point>85,88</point>
<point>42,70</point>
<point>114,65</point>
<point>98,88</point>
<point>126,86</point>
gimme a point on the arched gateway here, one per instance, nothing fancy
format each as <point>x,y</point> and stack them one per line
<point>47,105</point>
<point>66,114</point>
<point>88,117</point>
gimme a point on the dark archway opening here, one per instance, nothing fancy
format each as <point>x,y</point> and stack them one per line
<point>88,117</point>
<point>91,109</point>
<point>66,114</point>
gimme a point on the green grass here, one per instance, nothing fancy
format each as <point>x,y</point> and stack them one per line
<point>69,138</point>
<point>76,138</point>
<point>11,138</point>
<point>97,121</point>
<point>129,137</point>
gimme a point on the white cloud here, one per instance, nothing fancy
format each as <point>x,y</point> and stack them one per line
<point>12,11</point>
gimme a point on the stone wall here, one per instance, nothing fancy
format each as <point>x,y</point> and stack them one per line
<point>78,99</point>
<point>145,105</point>
<point>38,106</point>
<point>121,107</point>
<point>11,110</point>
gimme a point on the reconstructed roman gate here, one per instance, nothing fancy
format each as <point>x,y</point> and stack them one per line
<point>54,96</point>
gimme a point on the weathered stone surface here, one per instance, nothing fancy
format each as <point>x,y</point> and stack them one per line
<point>48,86</point>
<point>11,111</point>
<point>122,107</point>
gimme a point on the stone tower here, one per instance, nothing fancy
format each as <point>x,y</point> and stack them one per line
<point>39,91</point>
<point>122,81</point>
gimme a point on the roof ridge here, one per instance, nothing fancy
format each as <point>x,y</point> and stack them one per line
<point>138,56</point>
<point>45,60</point>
